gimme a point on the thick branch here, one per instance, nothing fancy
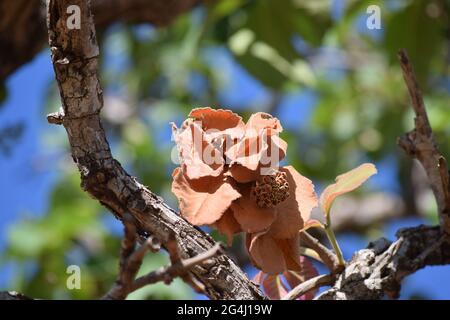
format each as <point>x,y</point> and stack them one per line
<point>75,60</point>
<point>378,271</point>
<point>420,144</point>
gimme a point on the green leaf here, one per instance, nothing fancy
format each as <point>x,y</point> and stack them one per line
<point>345,183</point>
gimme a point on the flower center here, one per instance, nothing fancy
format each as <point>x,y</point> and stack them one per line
<point>270,190</point>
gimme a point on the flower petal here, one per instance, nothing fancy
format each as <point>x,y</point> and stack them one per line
<point>203,201</point>
<point>266,254</point>
<point>222,128</point>
<point>261,120</point>
<point>274,256</point>
<point>248,153</point>
<point>216,118</point>
<point>274,287</point>
<point>251,217</point>
<point>199,158</point>
<point>293,212</point>
<point>252,154</point>
<point>291,252</point>
<point>242,174</point>
<point>228,226</point>
<point>259,277</point>
<point>308,271</point>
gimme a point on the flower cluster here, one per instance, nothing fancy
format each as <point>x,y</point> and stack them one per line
<point>230,179</point>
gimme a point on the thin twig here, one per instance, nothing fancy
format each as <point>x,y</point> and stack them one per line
<point>420,144</point>
<point>131,262</point>
<point>167,274</point>
<point>327,256</point>
<point>308,285</point>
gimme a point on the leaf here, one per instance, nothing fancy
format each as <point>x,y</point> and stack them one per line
<point>274,288</point>
<point>312,223</point>
<point>346,182</point>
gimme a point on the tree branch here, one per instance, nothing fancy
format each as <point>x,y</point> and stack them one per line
<point>378,270</point>
<point>308,285</point>
<point>131,262</point>
<point>419,143</point>
<point>327,256</point>
<point>75,60</point>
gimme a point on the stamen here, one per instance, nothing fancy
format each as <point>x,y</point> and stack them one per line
<point>271,190</point>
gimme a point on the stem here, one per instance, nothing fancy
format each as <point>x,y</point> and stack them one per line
<point>331,236</point>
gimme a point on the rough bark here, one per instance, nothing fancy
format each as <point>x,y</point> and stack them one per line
<point>23,33</point>
<point>420,144</point>
<point>378,271</point>
<point>75,60</point>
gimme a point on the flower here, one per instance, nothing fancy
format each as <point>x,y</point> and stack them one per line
<point>230,179</point>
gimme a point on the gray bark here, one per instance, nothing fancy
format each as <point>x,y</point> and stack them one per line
<point>378,271</point>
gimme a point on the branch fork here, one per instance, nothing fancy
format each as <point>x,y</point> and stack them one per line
<point>131,261</point>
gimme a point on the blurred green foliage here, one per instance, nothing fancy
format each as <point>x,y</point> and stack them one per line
<point>361,108</point>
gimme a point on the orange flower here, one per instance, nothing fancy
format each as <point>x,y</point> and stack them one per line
<point>230,179</point>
